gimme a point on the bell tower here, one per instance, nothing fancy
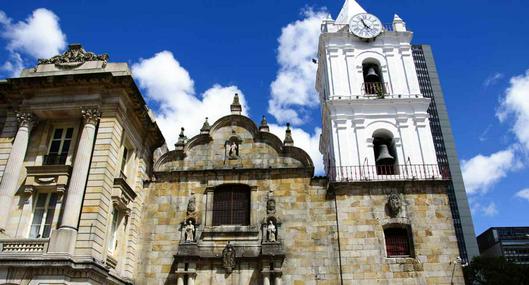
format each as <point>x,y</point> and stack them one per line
<point>375,119</point>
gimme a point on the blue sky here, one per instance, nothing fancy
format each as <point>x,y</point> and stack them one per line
<point>204,51</point>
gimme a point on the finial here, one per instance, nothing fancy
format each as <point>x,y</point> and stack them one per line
<point>181,140</point>
<point>288,136</point>
<point>264,125</point>
<point>235,107</point>
<point>398,24</point>
<point>205,127</point>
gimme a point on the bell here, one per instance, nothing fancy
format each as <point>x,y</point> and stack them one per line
<point>372,74</point>
<point>384,158</point>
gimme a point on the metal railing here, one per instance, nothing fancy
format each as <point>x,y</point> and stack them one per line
<point>399,172</point>
<point>23,246</point>
<point>375,88</point>
<point>55,159</point>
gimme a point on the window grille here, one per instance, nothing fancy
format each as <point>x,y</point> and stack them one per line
<point>231,205</point>
<point>397,242</point>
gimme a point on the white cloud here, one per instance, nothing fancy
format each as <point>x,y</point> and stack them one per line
<point>490,210</point>
<point>492,79</point>
<point>481,172</point>
<point>304,140</point>
<point>39,36</point>
<point>524,194</point>
<point>169,86</point>
<point>515,103</point>
<point>293,92</point>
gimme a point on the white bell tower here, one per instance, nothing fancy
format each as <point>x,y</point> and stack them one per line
<point>375,120</point>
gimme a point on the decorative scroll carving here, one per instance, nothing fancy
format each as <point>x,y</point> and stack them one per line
<point>228,258</point>
<point>394,204</point>
<point>74,56</point>
<point>91,115</point>
<point>26,119</point>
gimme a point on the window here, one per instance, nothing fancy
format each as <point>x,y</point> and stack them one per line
<point>43,213</point>
<point>398,242</point>
<point>112,243</point>
<point>124,161</point>
<point>59,146</point>
<point>231,205</point>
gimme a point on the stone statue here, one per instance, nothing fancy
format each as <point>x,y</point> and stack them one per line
<point>232,149</point>
<point>228,258</point>
<point>271,231</point>
<point>394,204</point>
<point>190,231</point>
<point>191,205</point>
<point>271,206</point>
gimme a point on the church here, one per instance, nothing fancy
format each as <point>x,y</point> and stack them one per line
<point>90,194</point>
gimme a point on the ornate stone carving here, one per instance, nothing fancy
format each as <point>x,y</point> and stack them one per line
<point>271,231</point>
<point>394,204</point>
<point>74,56</point>
<point>271,206</point>
<point>190,231</point>
<point>205,127</point>
<point>26,119</point>
<point>91,115</point>
<point>228,258</point>
<point>191,205</point>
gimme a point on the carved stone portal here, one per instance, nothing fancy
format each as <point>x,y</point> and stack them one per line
<point>228,258</point>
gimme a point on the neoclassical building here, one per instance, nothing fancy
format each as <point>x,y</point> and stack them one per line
<point>90,194</point>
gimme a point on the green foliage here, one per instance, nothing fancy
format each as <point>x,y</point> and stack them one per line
<point>495,270</point>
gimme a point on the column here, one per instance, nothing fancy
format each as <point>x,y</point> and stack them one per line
<point>8,186</point>
<point>180,279</point>
<point>278,279</point>
<point>266,278</point>
<point>191,279</point>
<point>63,240</point>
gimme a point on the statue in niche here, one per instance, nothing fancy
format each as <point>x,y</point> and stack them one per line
<point>191,205</point>
<point>271,231</point>
<point>394,204</point>
<point>271,206</point>
<point>190,231</point>
<point>232,149</point>
<point>228,258</point>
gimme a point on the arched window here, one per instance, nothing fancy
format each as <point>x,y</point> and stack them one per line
<point>398,241</point>
<point>231,205</point>
<point>373,81</point>
<point>385,153</point>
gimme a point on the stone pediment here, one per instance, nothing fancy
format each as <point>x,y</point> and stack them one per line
<point>232,142</point>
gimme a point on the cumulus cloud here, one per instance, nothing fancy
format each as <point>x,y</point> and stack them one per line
<point>39,36</point>
<point>524,194</point>
<point>292,92</point>
<point>481,172</point>
<point>304,140</point>
<point>515,104</point>
<point>171,90</point>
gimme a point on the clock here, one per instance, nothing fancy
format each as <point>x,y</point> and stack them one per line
<point>365,26</point>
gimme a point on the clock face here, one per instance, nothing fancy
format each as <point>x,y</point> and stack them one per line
<point>365,26</point>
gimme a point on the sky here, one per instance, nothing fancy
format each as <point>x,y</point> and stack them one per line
<point>190,57</point>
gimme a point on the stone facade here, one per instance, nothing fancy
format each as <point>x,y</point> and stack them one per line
<point>313,212</point>
<point>76,146</point>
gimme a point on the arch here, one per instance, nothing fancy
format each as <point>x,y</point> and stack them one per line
<point>385,151</point>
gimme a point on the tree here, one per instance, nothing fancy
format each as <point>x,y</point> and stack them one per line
<point>495,270</point>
